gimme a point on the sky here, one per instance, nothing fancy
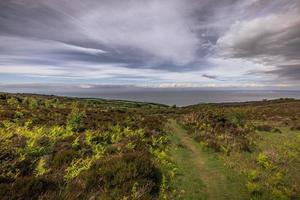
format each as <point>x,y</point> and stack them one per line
<point>243,44</point>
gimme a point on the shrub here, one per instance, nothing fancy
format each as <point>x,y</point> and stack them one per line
<point>253,175</point>
<point>237,117</point>
<point>264,127</point>
<point>120,177</point>
<point>263,160</point>
<point>77,166</point>
<point>63,157</point>
<point>50,103</point>
<point>18,115</point>
<point>28,188</point>
<point>295,127</point>
<point>221,132</point>
<point>33,103</point>
<point>253,187</point>
<point>276,130</point>
<point>75,119</point>
<point>12,101</point>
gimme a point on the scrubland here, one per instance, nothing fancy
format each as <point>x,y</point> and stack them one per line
<point>70,148</point>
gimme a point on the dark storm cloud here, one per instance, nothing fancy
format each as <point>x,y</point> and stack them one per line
<point>290,72</point>
<point>271,38</point>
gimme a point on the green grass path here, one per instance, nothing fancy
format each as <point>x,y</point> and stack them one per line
<point>201,175</point>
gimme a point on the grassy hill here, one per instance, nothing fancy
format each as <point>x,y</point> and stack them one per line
<point>72,148</point>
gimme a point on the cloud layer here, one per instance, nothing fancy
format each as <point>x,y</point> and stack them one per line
<point>143,42</point>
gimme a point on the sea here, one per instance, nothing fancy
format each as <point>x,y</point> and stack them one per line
<point>168,96</point>
<point>184,97</point>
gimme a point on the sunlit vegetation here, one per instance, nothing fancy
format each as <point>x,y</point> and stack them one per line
<point>69,148</point>
<point>219,130</point>
<point>79,149</point>
<point>258,140</point>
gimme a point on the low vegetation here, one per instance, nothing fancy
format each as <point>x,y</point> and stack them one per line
<point>258,140</point>
<point>69,148</point>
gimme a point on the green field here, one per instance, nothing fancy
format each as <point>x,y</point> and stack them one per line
<point>71,148</point>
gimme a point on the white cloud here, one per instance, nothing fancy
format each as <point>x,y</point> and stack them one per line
<point>159,28</point>
<point>31,70</point>
<point>13,45</point>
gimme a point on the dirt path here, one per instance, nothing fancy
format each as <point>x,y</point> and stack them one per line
<point>210,178</point>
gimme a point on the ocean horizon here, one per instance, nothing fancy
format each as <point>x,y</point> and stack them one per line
<point>184,97</point>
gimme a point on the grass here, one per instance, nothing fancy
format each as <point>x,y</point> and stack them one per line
<point>201,174</point>
<point>187,183</point>
<point>277,145</point>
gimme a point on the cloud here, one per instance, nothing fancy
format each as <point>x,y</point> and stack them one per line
<point>209,76</point>
<point>289,72</point>
<point>140,42</point>
<point>271,35</point>
<point>272,39</point>
<point>154,30</point>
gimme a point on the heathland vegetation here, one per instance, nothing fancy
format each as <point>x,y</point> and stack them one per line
<point>70,148</point>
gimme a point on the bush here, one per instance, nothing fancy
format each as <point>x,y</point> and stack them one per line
<point>221,131</point>
<point>263,160</point>
<point>75,120</point>
<point>28,188</point>
<point>31,102</point>
<point>276,130</point>
<point>12,101</point>
<point>237,117</point>
<point>295,127</point>
<point>18,115</point>
<point>253,187</point>
<point>264,127</point>
<point>63,157</point>
<point>119,177</point>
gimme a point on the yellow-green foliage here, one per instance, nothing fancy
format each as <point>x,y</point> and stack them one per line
<point>253,187</point>
<point>33,103</point>
<point>277,173</point>
<point>51,103</point>
<point>40,168</point>
<point>12,101</point>
<point>52,150</point>
<point>18,115</point>
<point>220,130</point>
<point>59,131</point>
<point>77,166</point>
<point>253,175</point>
<point>75,119</point>
<point>76,143</point>
<point>263,160</point>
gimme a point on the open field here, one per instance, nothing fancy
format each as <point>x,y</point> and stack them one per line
<point>70,148</point>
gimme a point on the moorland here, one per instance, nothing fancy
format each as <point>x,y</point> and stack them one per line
<point>55,147</point>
